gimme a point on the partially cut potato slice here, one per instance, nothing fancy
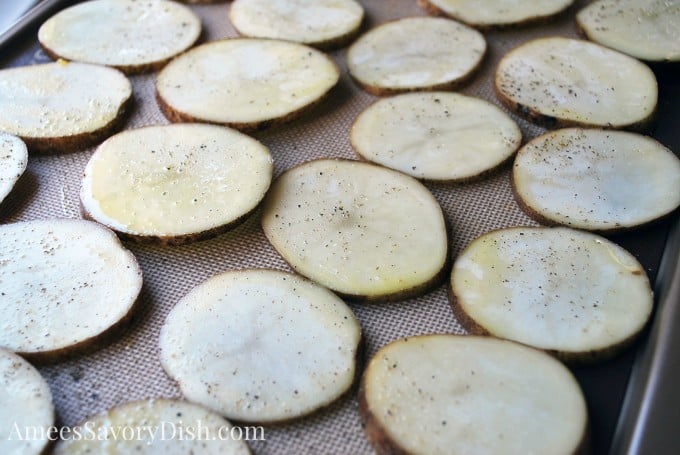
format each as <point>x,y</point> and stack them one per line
<point>65,286</point>
<point>61,107</point>
<point>596,180</point>
<point>567,291</point>
<point>245,83</point>
<point>416,53</point>
<point>436,136</point>
<point>261,345</point>
<point>13,162</point>
<point>172,184</point>
<point>560,81</point>
<point>364,231</point>
<point>445,394</point>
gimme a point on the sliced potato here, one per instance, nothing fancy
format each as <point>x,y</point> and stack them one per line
<point>131,35</point>
<point>13,162</point>
<point>570,292</point>
<point>436,136</point>
<point>596,180</point>
<point>65,286</point>
<point>364,231</point>
<point>560,81</point>
<point>445,394</point>
<point>61,107</point>
<point>416,53</point>
<point>645,29</point>
<point>261,345</point>
<point>320,23</point>
<point>245,83</point>
<point>172,184</point>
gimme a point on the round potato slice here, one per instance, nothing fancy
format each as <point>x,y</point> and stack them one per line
<point>13,162</point>
<point>444,394</point>
<point>131,35</point>
<point>65,286</point>
<point>261,345</point>
<point>157,427</point>
<point>436,136</point>
<point>366,232</point>
<point>173,184</point>
<point>245,83</point>
<point>26,409</point>
<point>645,29</point>
<point>416,53</point>
<point>560,82</point>
<point>558,289</point>
<point>320,23</point>
<point>61,107</point>
<point>596,180</point>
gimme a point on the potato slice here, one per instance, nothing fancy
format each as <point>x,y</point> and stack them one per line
<point>560,81</point>
<point>26,409</point>
<point>261,345</point>
<point>645,29</point>
<point>61,107</point>
<point>364,231</point>
<point>173,184</point>
<point>445,394</point>
<point>320,23</point>
<point>596,180</point>
<point>436,136</point>
<point>416,53</point>
<point>558,289</point>
<point>156,427</point>
<point>133,36</point>
<point>245,83</point>
<point>66,285</point>
<point>13,162</point>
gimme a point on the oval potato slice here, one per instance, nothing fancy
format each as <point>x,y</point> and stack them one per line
<point>436,136</point>
<point>261,345</point>
<point>562,290</point>
<point>66,286</point>
<point>444,394</point>
<point>173,184</point>
<point>416,53</point>
<point>13,162</point>
<point>561,82</point>
<point>596,180</point>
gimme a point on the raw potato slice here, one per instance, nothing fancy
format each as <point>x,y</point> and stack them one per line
<point>173,184</point>
<point>570,292</point>
<point>364,231</point>
<point>436,136</point>
<point>446,394</point>
<point>561,81</point>
<point>61,107</point>
<point>66,286</point>
<point>320,23</point>
<point>596,180</point>
<point>261,345</point>
<point>157,427</point>
<point>25,405</point>
<point>415,53</point>
<point>13,162</point>
<point>131,35</point>
<point>245,83</point>
<point>646,29</point>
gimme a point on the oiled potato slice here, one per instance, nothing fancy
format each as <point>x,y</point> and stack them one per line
<point>436,136</point>
<point>261,345</point>
<point>13,162</point>
<point>596,180</point>
<point>415,53</point>
<point>560,81</point>
<point>362,230</point>
<point>65,285</point>
<point>131,35</point>
<point>175,183</point>
<point>558,289</point>
<point>445,394</point>
<point>61,107</point>
<point>245,83</point>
